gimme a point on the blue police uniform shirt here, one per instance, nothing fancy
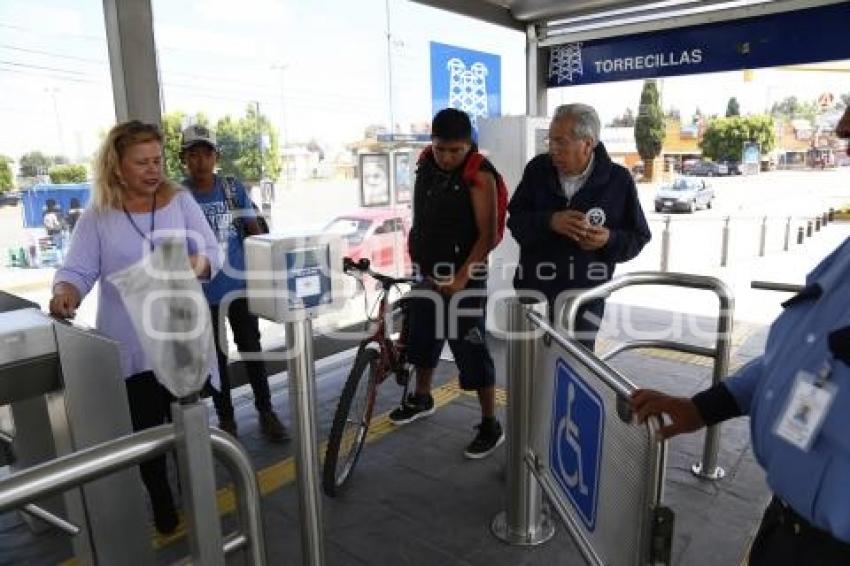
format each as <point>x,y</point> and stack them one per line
<point>215,207</point>
<point>816,484</point>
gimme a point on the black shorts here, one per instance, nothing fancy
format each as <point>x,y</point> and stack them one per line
<point>462,324</point>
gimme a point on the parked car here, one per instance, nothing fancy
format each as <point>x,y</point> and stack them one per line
<point>684,194</point>
<point>10,198</point>
<point>732,167</point>
<point>379,234</point>
<point>708,169</point>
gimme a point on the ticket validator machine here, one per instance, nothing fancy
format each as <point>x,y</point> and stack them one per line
<point>292,279</point>
<point>66,392</point>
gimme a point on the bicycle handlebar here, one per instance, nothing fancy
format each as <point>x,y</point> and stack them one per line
<point>363,266</point>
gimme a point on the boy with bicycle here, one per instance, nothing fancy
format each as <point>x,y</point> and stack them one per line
<point>454,229</point>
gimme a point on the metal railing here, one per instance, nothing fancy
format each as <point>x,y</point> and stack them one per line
<point>639,534</point>
<point>774,286</point>
<point>72,470</point>
<point>707,468</point>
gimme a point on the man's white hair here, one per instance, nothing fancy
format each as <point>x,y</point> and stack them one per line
<point>586,125</point>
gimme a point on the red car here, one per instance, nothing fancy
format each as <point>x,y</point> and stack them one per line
<point>379,234</point>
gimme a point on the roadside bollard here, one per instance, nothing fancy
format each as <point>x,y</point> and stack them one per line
<point>831,214</point>
<point>762,236</point>
<point>800,235</point>
<point>817,224</point>
<point>787,233</point>
<point>809,227</point>
<point>665,245</point>
<point>824,219</point>
<point>724,243</point>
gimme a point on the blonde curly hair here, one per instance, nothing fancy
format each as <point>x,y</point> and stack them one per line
<point>108,187</point>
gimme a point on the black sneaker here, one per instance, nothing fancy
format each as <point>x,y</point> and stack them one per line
<point>414,407</point>
<point>489,437</point>
<point>272,428</point>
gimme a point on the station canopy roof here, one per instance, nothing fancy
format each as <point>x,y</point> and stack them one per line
<point>560,21</point>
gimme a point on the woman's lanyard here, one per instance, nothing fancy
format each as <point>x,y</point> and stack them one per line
<point>144,236</point>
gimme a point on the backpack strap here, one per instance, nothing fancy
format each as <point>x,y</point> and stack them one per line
<point>228,183</point>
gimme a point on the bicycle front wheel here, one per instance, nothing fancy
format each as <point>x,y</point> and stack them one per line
<point>351,422</point>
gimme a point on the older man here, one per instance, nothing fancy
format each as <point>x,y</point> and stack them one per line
<point>575,214</point>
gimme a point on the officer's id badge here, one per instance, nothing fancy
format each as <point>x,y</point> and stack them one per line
<point>595,216</point>
<point>805,410</point>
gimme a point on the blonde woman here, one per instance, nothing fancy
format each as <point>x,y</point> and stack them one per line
<point>132,203</point>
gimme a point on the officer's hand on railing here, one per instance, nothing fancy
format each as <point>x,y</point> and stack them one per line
<point>681,411</point>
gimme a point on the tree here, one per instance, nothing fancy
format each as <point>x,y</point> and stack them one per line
<point>68,173</point>
<point>724,138</point>
<point>627,120</point>
<point>34,163</point>
<point>239,146</point>
<point>172,126</point>
<point>7,180</point>
<point>733,108</point>
<point>791,108</point>
<point>59,160</point>
<point>649,126</point>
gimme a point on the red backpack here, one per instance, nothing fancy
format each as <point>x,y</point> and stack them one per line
<point>474,162</point>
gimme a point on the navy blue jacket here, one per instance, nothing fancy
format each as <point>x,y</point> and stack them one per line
<point>552,263</point>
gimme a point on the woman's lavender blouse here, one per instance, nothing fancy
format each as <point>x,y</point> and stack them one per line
<point>106,242</point>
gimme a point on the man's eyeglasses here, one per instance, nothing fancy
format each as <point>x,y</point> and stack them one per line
<point>557,142</point>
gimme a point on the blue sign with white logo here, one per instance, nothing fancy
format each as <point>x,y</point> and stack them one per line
<point>308,282</point>
<point>788,38</point>
<point>467,80</point>
<point>575,448</point>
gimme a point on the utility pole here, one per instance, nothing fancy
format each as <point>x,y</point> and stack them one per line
<point>259,139</point>
<point>390,68</point>
<point>52,92</point>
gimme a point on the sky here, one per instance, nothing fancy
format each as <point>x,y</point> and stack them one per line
<point>319,67</point>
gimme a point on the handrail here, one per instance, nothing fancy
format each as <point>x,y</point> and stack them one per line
<point>610,377</point>
<point>665,344</point>
<point>65,472</point>
<point>707,468</point>
<point>774,286</point>
<point>55,521</point>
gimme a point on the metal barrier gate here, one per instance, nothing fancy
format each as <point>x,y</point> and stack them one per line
<point>78,468</point>
<point>707,468</point>
<point>603,473</point>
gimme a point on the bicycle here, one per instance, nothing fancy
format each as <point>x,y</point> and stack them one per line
<point>378,357</point>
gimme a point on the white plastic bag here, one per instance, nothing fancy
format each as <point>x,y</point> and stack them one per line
<point>170,315</point>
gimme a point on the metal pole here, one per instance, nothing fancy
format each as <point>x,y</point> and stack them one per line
<point>302,401</point>
<point>817,223</point>
<point>831,214</point>
<point>800,235</point>
<point>523,523</point>
<point>708,468</point>
<point>259,141</point>
<point>238,463</point>
<point>724,244</point>
<point>787,233</point>
<point>824,219</point>
<point>808,228</point>
<point>762,236</point>
<point>665,245</point>
<point>197,478</point>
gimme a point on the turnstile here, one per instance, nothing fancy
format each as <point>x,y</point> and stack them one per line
<point>66,393</point>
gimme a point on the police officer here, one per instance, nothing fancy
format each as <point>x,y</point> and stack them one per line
<point>797,395</point>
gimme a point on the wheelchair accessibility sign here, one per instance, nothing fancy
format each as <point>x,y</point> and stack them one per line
<point>575,446</point>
